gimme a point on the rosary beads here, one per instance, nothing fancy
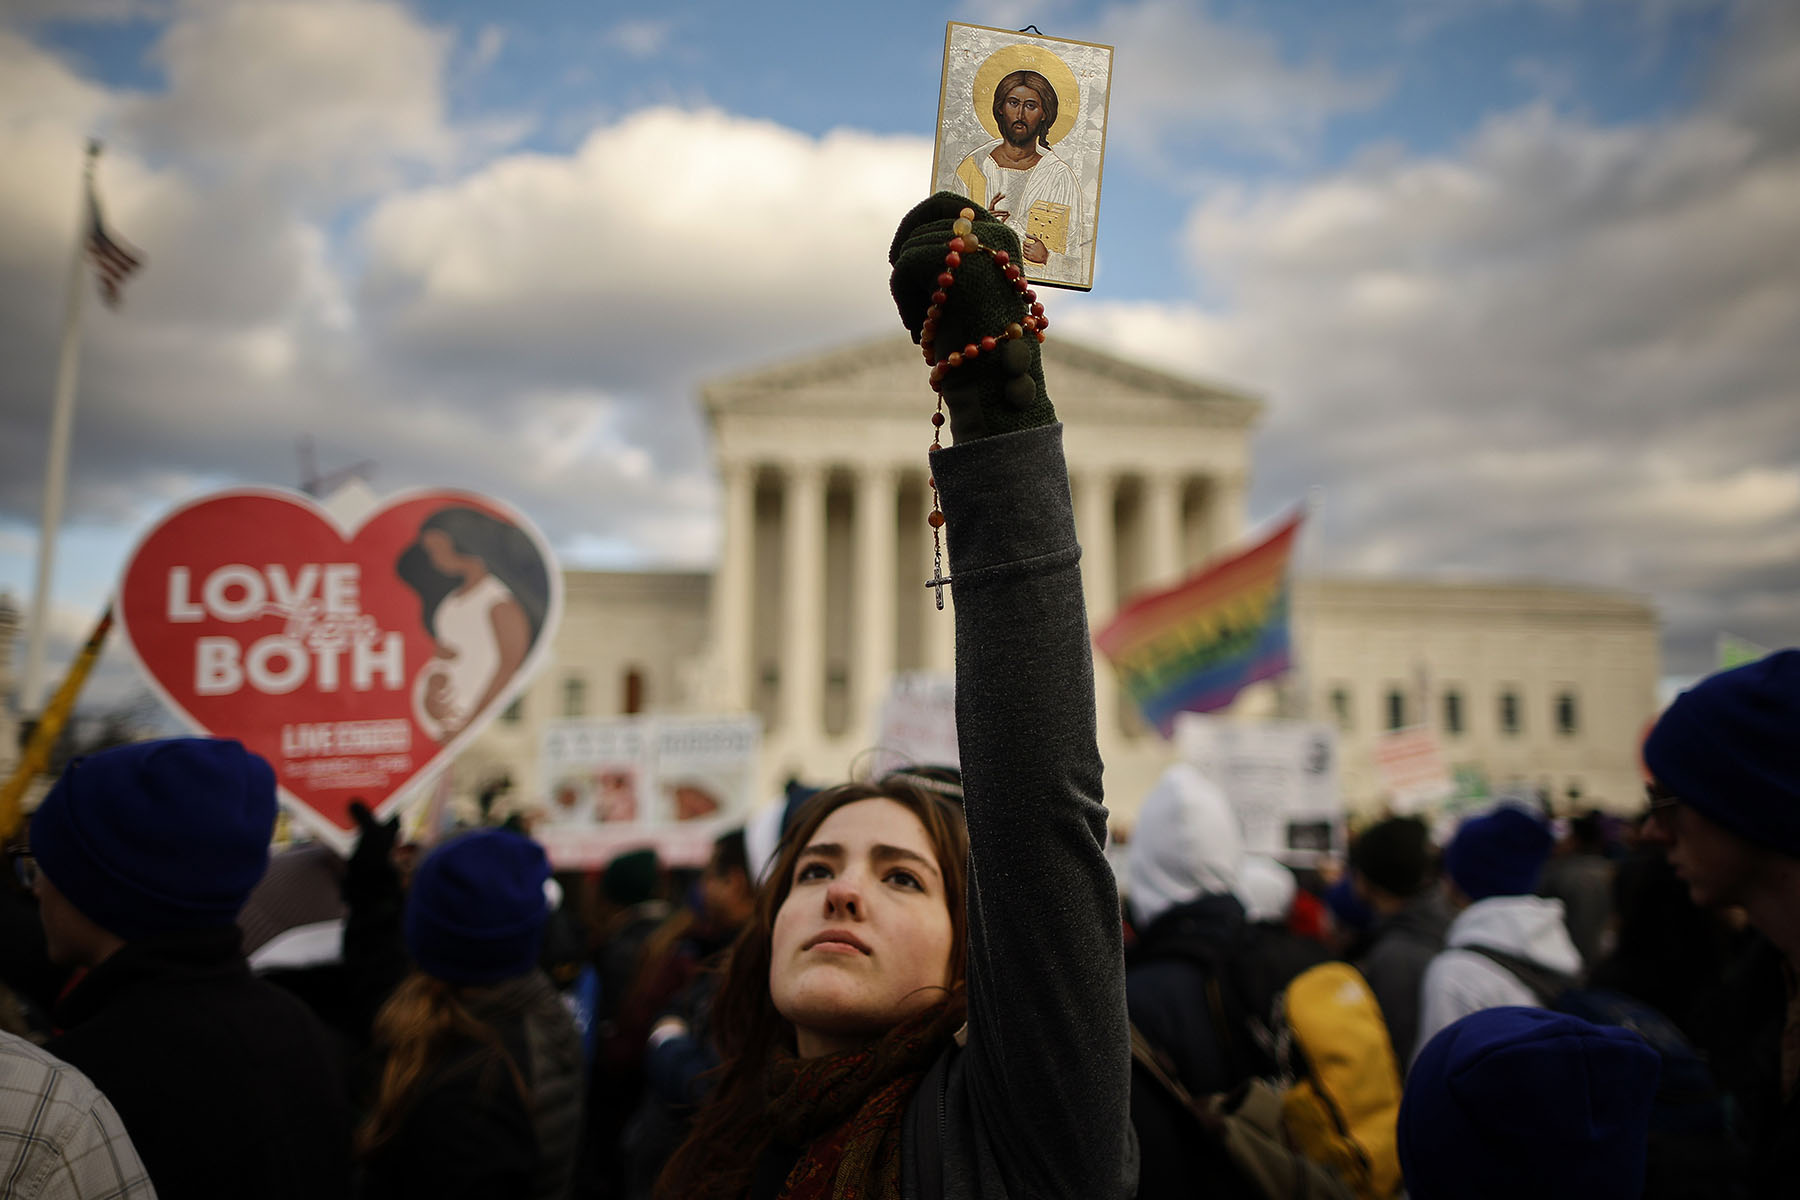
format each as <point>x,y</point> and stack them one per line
<point>965,241</point>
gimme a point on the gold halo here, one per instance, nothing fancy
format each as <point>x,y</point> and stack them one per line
<point>1023,56</point>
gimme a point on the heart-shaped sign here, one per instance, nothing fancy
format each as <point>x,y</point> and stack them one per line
<point>354,656</point>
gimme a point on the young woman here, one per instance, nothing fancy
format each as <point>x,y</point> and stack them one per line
<point>929,1001</point>
<point>479,1090</point>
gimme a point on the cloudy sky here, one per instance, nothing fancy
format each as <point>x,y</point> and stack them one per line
<point>1520,279</point>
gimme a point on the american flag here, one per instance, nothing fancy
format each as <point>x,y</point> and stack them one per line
<point>113,260</point>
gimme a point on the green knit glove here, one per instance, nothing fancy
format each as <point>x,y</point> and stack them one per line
<point>1002,390</point>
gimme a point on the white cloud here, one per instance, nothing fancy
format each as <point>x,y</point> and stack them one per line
<point>334,95</point>
<point>1561,350</point>
<point>486,50</point>
<point>1182,75</point>
<point>642,38</point>
<point>670,233</point>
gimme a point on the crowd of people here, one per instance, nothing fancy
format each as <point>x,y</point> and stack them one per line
<point>934,984</point>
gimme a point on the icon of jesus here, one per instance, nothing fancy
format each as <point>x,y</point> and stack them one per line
<point>1017,176</point>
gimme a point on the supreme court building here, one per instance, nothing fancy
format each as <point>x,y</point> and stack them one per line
<point>819,596</point>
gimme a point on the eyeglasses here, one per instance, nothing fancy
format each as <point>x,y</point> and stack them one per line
<point>1663,802</point>
<point>25,869</point>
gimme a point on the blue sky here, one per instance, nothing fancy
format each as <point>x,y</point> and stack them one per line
<point>1515,277</point>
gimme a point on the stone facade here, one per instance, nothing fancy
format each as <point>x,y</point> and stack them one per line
<point>819,596</point>
<point>1529,684</point>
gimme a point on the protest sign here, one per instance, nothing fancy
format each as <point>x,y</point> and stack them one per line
<point>356,656</point>
<point>918,723</point>
<point>1280,777</point>
<point>1410,764</point>
<point>672,782</point>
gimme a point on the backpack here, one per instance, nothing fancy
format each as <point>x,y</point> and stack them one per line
<point>1688,1099</point>
<point>1342,1107</point>
<point>1693,1148</point>
<point>1247,1125</point>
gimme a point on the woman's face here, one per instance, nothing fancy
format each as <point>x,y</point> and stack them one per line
<point>862,942</point>
<point>441,551</point>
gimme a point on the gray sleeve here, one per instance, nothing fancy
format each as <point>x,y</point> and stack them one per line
<point>1048,1061</point>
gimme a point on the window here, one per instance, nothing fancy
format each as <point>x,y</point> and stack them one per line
<point>1453,712</point>
<point>1340,707</point>
<point>514,712</point>
<point>1509,712</point>
<point>1567,718</point>
<point>574,696</point>
<point>633,700</point>
<point>1396,709</point>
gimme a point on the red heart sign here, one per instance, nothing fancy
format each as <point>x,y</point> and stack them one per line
<point>354,658</point>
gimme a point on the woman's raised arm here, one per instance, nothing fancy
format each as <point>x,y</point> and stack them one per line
<point>1044,1082</point>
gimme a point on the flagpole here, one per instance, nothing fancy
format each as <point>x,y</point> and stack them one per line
<point>56,469</point>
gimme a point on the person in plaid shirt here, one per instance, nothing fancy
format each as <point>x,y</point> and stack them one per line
<point>59,1137</point>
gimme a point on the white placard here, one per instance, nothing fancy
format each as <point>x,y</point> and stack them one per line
<point>1413,772</point>
<point>674,783</point>
<point>918,723</point>
<point>1279,776</point>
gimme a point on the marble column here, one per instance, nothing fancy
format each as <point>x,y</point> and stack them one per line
<point>1095,492</point>
<point>1162,528</point>
<point>733,586</point>
<point>803,602</point>
<point>877,499</point>
<point>1229,505</point>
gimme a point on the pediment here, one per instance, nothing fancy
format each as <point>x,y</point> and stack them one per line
<point>885,376</point>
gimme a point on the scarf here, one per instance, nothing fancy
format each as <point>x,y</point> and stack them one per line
<point>847,1109</point>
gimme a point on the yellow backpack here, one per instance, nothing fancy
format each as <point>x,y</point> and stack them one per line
<point>1343,1104</point>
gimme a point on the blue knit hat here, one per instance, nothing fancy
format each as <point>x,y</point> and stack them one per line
<point>477,908</point>
<point>1500,853</point>
<point>1730,747</point>
<point>1348,909</point>
<point>1511,1102</point>
<point>160,836</point>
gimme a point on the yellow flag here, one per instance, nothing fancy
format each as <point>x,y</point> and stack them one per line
<point>56,714</point>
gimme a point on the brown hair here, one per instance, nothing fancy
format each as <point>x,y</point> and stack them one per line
<point>730,1130</point>
<point>423,1019</point>
<point>1046,98</point>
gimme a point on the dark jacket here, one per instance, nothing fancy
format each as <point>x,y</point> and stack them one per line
<point>228,1086</point>
<point>1395,953</point>
<point>540,1035</point>
<point>471,1131</point>
<point>1199,982</point>
<point>464,1132</point>
<point>1036,1105</point>
<point>1182,983</point>
<point>1741,1032</point>
<point>467,1136</point>
<point>1584,884</point>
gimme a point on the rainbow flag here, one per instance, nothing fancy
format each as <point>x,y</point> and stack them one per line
<point>1195,646</point>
